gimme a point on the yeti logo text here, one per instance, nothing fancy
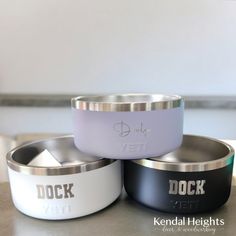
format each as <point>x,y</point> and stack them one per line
<point>55,191</point>
<point>183,187</point>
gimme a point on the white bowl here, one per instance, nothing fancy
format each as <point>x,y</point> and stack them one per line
<point>65,192</point>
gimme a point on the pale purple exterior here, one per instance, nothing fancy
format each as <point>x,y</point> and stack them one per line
<point>128,135</point>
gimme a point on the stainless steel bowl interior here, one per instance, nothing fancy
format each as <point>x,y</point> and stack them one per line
<point>196,153</point>
<point>196,149</point>
<point>127,102</point>
<point>62,148</point>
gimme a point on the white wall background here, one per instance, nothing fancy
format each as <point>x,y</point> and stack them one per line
<point>87,46</point>
<point>73,46</point>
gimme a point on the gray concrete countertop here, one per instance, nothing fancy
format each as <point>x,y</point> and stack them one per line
<point>124,218</point>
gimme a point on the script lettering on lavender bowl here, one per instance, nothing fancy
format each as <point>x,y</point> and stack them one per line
<point>123,129</point>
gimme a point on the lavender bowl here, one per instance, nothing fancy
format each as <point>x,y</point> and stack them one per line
<point>128,126</point>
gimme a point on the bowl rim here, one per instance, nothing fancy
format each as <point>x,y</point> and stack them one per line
<point>59,170</point>
<point>127,102</point>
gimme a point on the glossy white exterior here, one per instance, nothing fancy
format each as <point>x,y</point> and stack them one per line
<point>93,190</point>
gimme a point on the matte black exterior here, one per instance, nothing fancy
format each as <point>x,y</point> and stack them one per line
<point>151,188</point>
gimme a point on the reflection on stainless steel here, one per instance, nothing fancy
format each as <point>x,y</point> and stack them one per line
<point>45,159</point>
<point>197,153</point>
<point>233,144</point>
<point>126,102</point>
